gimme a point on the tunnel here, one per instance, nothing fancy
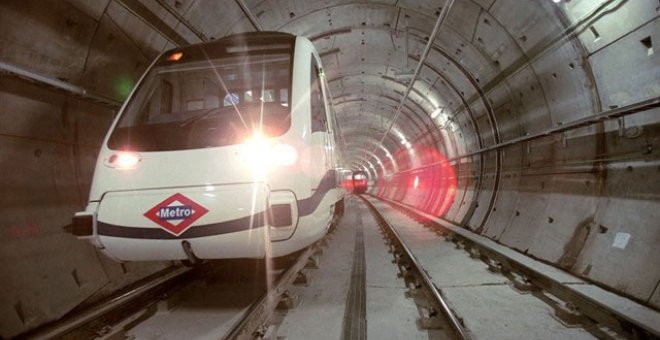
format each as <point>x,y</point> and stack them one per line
<point>532,123</point>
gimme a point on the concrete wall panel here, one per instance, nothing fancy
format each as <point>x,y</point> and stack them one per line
<point>114,64</point>
<point>532,103</point>
<point>565,84</point>
<point>618,83</point>
<point>532,200</point>
<point>508,196</point>
<point>56,43</point>
<point>149,42</point>
<point>623,17</point>
<point>492,38</point>
<point>625,249</point>
<point>564,222</point>
<point>530,23</point>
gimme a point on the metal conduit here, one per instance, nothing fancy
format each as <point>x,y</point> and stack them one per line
<point>422,60</point>
<point>600,117</point>
<point>249,15</point>
<point>562,36</point>
<point>69,88</point>
<point>183,20</point>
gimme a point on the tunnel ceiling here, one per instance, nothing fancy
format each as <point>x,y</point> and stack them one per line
<point>495,71</point>
<point>371,50</point>
<point>479,60</point>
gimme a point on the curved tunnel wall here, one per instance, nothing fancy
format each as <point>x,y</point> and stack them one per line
<point>584,199</point>
<point>498,71</point>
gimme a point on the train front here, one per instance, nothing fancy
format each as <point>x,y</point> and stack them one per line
<point>181,174</point>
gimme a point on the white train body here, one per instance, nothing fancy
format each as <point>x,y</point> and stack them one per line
<point>224,150</point>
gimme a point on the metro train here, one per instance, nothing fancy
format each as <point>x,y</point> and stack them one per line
<point>360,179</point>
<point>225,149</point>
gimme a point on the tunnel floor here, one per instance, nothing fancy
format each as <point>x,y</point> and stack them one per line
<point>356,288</point>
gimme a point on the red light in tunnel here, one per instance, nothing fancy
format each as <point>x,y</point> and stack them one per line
<point>435,182</point>
<point>448,184</point>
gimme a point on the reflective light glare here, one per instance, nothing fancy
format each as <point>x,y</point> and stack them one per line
<point>125,160</point>
<point>556,1</point>
<point>260,152</point>
<point>416,182</point>
<point>176,56</point>
<point>442,119</point>
<point>285,154</point>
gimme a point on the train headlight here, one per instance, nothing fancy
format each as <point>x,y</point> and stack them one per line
<point>261,152</point>
<point>124,160</point>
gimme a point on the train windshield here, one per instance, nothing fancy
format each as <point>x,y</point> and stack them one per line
<point>209,96</point>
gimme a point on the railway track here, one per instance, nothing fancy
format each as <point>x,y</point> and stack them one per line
<point>438,313</point>
<point>575,303</point>
<point>374,275</point>
<point>265,290</point>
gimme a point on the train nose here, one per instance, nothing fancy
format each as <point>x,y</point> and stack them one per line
<point>216,220</point>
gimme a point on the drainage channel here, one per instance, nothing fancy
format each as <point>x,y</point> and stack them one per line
<point>435,311</point>
<point>355,316</point>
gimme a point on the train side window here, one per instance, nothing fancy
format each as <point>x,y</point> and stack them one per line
<point>268,96</point>
<point>319,120</point>
<point>284,97</point>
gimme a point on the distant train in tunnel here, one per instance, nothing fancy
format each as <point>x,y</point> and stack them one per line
<point>224,149</point>
<point>359,180</point>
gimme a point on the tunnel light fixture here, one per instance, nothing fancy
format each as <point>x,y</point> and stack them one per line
<point>442,119</point>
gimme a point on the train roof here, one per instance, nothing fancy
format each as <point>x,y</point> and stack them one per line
<point>235,44</point>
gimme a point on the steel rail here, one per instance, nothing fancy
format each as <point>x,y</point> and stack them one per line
<point>635,322</point>
<point>455,324</point>
<point>85,316</point>
<point>259,312</point>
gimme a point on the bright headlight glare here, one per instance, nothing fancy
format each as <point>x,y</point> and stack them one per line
<point>284,154</point>
<point>262,152</point>
<point>124,160</point>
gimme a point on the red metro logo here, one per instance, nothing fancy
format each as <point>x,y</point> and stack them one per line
<point>176,213</point>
